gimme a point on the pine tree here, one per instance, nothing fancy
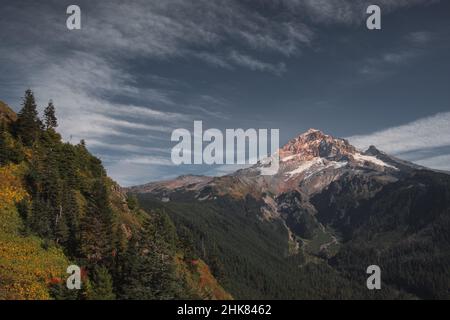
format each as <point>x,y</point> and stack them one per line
<point>40,220</point>
<point>62,231</point>
<point>95,237</point>
<point>72,213</point>
<point>133,276</point>
<point>101,286</point>
<point>148,270</point>
<point>50,117</point>
<point>96,226</point>
<point>28,123</point>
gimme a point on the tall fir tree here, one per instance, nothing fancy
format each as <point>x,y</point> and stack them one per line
<point>62,231</point>
<point>40,221</point>
<point>50,120</point>
<point>148,270</point>
<point>28,124</point>
<point>72,213</point>
<point>101,286</point>
<point>97,226</point>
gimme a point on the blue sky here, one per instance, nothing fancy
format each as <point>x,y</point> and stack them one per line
<point>136,71</point>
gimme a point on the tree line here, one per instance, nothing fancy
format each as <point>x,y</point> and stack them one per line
<point>72,204</point>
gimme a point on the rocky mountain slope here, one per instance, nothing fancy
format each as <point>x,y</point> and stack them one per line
<point>326,197</point>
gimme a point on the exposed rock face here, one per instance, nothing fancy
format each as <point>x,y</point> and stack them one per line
<point>315,143</point>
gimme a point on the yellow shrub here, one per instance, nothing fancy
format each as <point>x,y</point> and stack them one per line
<point>26,268</point>
<point>11,189</point>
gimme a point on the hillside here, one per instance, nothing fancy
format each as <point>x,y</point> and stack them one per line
<point>6,113</point>
<point>311,230</point>
<point>58,207</point>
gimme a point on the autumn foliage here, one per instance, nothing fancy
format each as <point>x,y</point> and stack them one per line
<point>58,207</point>
<point>26,267</point>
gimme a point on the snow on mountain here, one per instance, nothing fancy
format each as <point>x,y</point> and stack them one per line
<point>372,159</point>
<point>305,166</point>
<point>308,163</point>
<point>285,159</point>
<point>312,167</point>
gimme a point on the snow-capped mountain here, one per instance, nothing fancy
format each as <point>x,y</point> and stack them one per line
<point>309,166</point>
<point>329,206</point>
<point>308,163</point>
<point>313,160</point>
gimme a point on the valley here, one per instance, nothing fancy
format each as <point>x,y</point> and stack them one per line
<point>311,232</point>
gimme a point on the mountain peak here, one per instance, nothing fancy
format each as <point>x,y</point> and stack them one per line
<point>373,151</point>
<point>312,130</point>
<point>313,134</point>
<point>315,143</point>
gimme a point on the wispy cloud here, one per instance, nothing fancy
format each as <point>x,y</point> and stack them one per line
<point>407,50</point>
<point>257,65</point>
<point>148,160</point>
<point>420,37</point>
<point>438,162</point>
<point>177,28</point>
<point>216,60</point>
<point>80,85</point>
<point>413,139</point>
<point>386,63</point>
<point>343,11</point>
<point>126,148</point>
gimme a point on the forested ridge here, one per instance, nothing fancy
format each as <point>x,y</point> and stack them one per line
<point>58,207</point>
<point>403,229</point>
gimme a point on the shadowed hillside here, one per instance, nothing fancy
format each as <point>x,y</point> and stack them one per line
<point>58,207</point>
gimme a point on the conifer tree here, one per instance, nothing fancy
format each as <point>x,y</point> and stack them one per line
<point>96,226</point>
<point>62,231</point>
<point>50,118</point>
<point>131,276</point>
<point>148,269</point>
<point>101,286</point>
<point>72,212</point>
<point>28,123</point>
<point>95,237</point>
<point>40,220</point>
